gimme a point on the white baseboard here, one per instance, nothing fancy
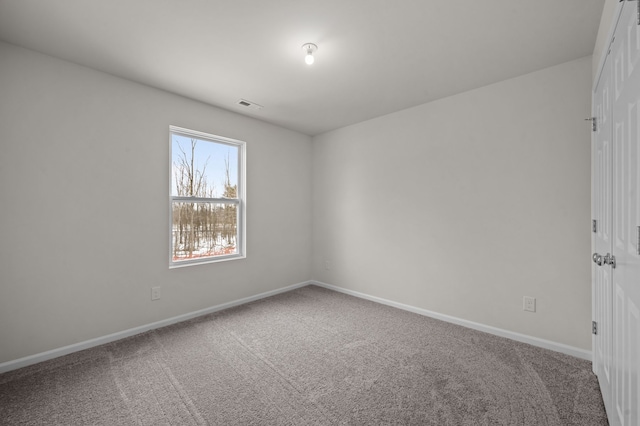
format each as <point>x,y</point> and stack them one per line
<point>547,344</point>
<point>54,353</point>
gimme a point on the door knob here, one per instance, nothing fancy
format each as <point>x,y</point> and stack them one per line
<point>610,259</point>
<point>597,259</point>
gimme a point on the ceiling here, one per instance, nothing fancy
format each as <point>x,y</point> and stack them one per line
<point>374,56</point>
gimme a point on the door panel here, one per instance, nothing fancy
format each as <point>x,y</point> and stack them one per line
<point>602,240</point>
<point>626,196</point>
<point>632,400</point>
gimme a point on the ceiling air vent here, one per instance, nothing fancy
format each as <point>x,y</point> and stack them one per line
<point>249,104</point>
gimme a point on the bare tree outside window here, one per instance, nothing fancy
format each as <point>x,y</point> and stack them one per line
<point>205,202</point>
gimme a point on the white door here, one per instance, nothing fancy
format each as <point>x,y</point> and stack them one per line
<point>602,294</point>
<point>625,52</point>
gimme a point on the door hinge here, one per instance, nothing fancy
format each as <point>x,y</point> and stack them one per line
<point>594,327</point>
<point>593,121</point>
<point>594,226</point>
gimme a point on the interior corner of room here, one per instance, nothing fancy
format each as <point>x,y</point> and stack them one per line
<point>465,207</point>
<point>475,208</point>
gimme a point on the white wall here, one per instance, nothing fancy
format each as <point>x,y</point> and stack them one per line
<point>461,206</point>
<point>84,176</point>
<point>464,205</point>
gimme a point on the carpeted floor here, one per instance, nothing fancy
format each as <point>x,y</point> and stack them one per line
<point>307,357</point>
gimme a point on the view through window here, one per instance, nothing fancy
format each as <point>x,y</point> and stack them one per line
<point>207,217</point>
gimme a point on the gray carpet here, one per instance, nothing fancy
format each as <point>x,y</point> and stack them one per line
<point>307,357</point>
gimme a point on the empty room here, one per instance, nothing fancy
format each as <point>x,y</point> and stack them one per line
<point>357,212</point>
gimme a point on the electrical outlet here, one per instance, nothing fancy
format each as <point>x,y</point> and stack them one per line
<point>529,304</point>
<point>155,293</point>
<point>327,265</point>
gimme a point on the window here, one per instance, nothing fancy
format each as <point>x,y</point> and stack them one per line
<point>207,198</point>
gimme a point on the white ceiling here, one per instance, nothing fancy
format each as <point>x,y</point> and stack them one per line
<point>374,56</point>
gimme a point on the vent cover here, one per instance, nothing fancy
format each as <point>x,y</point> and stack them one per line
<point>248,104</point>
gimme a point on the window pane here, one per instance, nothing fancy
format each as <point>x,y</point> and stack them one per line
<point>201,230</point>
<point>202,168</point>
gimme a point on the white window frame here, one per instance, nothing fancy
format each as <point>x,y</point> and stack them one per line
<point>240,202</point>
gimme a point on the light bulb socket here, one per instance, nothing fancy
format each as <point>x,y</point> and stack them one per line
<point>309,49</point>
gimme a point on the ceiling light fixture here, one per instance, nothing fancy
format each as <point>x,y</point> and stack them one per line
<point>309,48</point>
